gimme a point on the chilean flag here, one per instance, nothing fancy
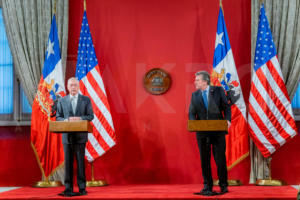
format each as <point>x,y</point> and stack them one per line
<point>224,73</point>
<point>48,146</point>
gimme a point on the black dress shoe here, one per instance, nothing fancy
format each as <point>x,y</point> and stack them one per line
<point>223,190</point>
<point>204,190</point>
<point>206,193</point>
<point>67,194</point>
<point>201,192</point>
<point>210,193</point>
<point>82,192</point>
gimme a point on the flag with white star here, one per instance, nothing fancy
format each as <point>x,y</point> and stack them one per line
<point>48,146</point>
<point>270,117</point>
<point>91,84</point>
<point>224,74</point>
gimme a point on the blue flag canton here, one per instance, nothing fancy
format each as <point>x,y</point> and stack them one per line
<point>52,56</point>
<point>222,44</point>
<point>86,58</point>
<point>265,47</point>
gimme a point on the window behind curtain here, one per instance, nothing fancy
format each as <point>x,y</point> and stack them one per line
<point>296,103</point>
<point>6,75</point>
<point>26,108</point>
<point>14,105</point>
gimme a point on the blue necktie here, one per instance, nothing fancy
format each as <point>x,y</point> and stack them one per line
<point>204,98</point>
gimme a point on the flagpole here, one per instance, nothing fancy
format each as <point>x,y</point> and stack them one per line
<point>93,182</point>
<point>54,8</point>
<point>84,5</point>
<point>269,181</point>
<point>221,6</point>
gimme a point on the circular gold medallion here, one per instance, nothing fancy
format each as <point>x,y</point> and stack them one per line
<point>157,81</point>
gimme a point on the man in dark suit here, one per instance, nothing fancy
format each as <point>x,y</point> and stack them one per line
<point>74,107</point>
<point>210,103</point>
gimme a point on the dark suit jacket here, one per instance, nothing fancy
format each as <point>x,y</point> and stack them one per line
<point>84,110</point>
<point>218,107</point>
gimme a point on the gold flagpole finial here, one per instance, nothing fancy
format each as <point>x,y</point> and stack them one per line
<point>221,6</point>
<point>84,5</point>
<point>54,7</point>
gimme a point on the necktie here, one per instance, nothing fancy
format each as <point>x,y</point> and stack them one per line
<point>73,103</point>
<point>204,98</point>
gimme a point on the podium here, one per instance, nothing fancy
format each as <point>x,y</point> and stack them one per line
<point>70,127</point>
<point>76,127</point>
<point>211,125</point>
<point>207,125</point>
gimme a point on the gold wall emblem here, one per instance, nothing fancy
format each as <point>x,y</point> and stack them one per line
<point>157,81</point>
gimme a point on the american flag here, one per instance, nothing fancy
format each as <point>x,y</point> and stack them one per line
<point>91,84</point>
<point>270,118</point>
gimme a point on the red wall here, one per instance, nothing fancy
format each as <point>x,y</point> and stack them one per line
<point>18,164</point>
<point>131,37</point>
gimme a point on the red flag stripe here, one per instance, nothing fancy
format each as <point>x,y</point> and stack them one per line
<point>87,153</point>
<point>276,88</point>
<point>102,126</point>
<point>260,141</point>
<point>97,101</point>
<point>96,73</point>
<point>101,123</point>
<point>276,121</point>
<point>96,145</point>
<point>98,90</point>
<point>258,137</point>
<point>98,142</point>
<point>264,88</point>
<point>102,143</point>
<point>92,151</point>
<point>105,132</point>
<point>275,71</point>
<point>264,129</point>
<point>267,145</point>
<point>266,121</point>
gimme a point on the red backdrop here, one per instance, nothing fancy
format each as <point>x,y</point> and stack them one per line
<point>130,38</point>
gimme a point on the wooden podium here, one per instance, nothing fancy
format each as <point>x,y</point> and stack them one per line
<point>76,127</point>
<point>68,127</point>
<point>207,125</point>
<point>211,125</point>
<point>65,127</point>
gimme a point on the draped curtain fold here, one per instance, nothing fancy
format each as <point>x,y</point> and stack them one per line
<point>284,20</point>
<point>27,24</point>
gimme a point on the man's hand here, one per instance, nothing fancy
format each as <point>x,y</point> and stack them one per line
<point>73,119</point>
<point>229,124</point>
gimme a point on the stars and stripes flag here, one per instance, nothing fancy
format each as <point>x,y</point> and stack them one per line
<point>91,84</point>
<point>224,74</point>
<point>270,118</point>
<point>48,146</point>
